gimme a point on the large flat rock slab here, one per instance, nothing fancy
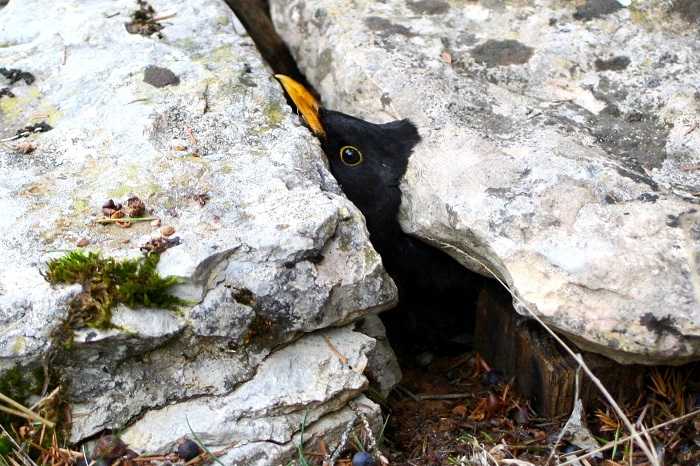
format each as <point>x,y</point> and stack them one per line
<point>560,149</point>
<point>189,120</point>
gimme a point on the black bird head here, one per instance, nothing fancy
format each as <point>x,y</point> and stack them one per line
<point>367,159</point>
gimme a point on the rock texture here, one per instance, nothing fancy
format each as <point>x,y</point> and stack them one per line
<point>560,153</point>
<point>189,120</point>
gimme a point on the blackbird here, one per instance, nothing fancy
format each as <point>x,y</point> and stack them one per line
<point>437,295</point>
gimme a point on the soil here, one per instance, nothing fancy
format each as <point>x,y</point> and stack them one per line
<point>459,412</point>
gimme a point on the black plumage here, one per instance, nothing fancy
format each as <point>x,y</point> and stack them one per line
<point>437,295</point>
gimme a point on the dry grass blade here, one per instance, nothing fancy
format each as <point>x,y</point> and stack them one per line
<point>23,411</point>
<point>648,448</point>
<point>335,350</point>
<point>609,424</point>
<point>625,439</point>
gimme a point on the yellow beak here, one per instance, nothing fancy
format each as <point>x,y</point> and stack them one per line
<point>305,102</point>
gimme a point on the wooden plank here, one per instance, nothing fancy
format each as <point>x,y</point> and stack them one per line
<point>543,373</point>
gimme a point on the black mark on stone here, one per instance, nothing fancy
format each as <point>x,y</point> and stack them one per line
<point>467,39</point>
<point>35,128</point>
<point>618,63</point>
<point>688,10</point>
<point>247,81</point>
<point>13,75</point>
<point>429,7</point>
<point>635,175</point>
<point>674,221</point>
<point>596,8</point>
<point>648,197</point>
<point>160,77</point>
<point>385,100</point>
<point>501,52</point>
<point>386,28</point>
<point>659,326</point>
<point>611,110</point>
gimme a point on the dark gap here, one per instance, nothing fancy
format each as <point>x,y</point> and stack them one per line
<point>439,323</point>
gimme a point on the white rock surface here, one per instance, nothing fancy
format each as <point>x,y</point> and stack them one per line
<point>558,153</point>
<point>269,250</point>
<point>306,374</point>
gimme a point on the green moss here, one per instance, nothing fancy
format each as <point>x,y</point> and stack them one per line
<point>21,384</point>
<point>81,207</point>
<point>274,113</point>
<point>18,345</point>
<point>260,330</point>
<point>13,385</point>
<point>127,190</point>
<point>244,296</point>
<point>107,283</point>
<point>121,191</point>
<point>344,243</point>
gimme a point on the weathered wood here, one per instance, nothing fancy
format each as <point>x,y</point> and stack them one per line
<point>543,373</point>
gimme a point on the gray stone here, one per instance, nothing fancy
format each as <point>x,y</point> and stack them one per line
<point>269,251</point>
<point>559,149</point>
<point>302,374</point>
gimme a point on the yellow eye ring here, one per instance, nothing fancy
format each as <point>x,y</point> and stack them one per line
<point>351,156</point>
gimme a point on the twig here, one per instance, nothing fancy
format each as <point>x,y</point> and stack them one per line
<point>46,398</point>
<point>372,443</point>
<point>343,441</point>
<point>125,219</point>
<point>23,411</point>
<point>189,134</point>
<point>627,438</point>
<point>161,18</point>
<point>460,361</point>
<point>406,391</point>
<point>448,396</point>
<point>335,350</point>
<point>13,325</point>
<point>577,357</point>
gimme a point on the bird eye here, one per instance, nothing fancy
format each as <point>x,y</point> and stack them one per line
<point>350,156</point>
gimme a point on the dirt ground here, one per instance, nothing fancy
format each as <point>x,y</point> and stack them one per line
<point>459,412</point>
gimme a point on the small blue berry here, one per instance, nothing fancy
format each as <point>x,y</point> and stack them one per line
<point>188,450</point>
<point>362,458</point>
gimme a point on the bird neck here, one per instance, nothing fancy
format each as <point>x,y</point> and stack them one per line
<point>382,221</point>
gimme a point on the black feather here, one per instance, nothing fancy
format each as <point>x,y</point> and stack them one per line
<point>437,295</point>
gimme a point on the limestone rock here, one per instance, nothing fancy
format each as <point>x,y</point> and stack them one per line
<point>188,120</point>
<point>301,375</point>
<point>560,149</point>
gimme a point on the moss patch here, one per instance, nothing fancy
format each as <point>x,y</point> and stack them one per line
<point>106,283</point>
<point>23,385</point>
<point>274,113</point>
<point>260,330</point>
